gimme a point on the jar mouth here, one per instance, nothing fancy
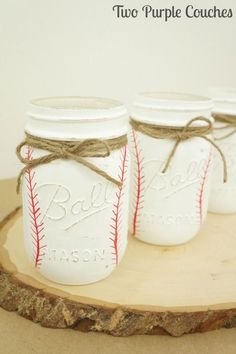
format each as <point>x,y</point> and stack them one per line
<point>75,107</point>
<point>76,118</point>
<point>172,101</point>
<point>223,94</point>
<point>76,102</point>
<point>171,108</point>
<point>174,96</point>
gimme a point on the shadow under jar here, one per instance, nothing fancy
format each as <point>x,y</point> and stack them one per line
<point>75,217</point>
<point>223,195</point>
<point>169,186</point>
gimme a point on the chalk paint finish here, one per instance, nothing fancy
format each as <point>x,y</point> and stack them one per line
<point>223,195</point>
<point>168,208</point>
<point>75,221</point>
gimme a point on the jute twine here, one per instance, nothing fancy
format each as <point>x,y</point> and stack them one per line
<point>69,150</point>
<point>179,134</point>
<point>230,123</point>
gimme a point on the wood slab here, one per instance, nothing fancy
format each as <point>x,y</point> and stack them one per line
<point>9,199</point>
<point>155,290</point>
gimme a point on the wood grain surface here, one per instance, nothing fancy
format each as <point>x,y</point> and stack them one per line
<point>168,290</point>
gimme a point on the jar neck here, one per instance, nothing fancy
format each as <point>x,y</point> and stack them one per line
<point>170,109</point>
<point>77,130</point>
<point>76,118</point>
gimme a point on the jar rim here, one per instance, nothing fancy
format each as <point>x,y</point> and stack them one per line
<point>171,108</point>
<point>172,100</point>
<point>223,94</point>
<point>76,118</point>
<point>224,99</point>
<point>82,102</point>
<point>75,107</point>
<point>174,96</point>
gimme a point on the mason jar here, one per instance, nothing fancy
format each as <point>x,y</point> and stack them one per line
<point>223,195</point>
<point>169,207</point>
<point>75,205</point>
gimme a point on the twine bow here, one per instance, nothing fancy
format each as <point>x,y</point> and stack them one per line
<point>230,122</point>
<point>68,150</point>
<point>179,135</point>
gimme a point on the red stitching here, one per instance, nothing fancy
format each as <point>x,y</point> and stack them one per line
<point>37,228</point>
<point>202,187</point>
<point>139,183</point>
<point>116,218</point>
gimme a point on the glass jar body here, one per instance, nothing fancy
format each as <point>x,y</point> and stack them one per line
<point>169,208</point>
<point>75,221</point>
<point>223,195</point>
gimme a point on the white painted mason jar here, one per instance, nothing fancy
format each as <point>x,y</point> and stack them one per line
<point>169,208</point>
<point>223,195</point>
<point>75,220</point>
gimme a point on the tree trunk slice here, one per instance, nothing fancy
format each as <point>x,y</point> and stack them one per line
<point>155,290</point>
<point>9,199</point>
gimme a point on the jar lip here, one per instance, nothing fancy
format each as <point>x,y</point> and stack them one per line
<point>171,108</point>
<point>75,108</point>
<point>172,101</point>
<point>223,94</point>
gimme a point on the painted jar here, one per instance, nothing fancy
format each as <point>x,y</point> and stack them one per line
<point>169,205</point>
<point>223,195</point>
<point>75,199</point>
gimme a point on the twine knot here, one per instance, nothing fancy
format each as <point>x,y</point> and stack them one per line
<point>65,154</point>
<point>180,134</point>
<point>68,150</point>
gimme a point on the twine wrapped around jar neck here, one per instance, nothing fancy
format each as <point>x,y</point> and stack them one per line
<point>179,134</point>
<point>230,123</point>
<point>69,150</point>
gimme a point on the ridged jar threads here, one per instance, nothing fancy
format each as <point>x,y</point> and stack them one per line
<point>169,207</point>
<point>75,187</point>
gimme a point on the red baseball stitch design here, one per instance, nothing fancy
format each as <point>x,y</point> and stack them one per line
<point>201,190</point>
<point>139,182</point>
<point>37,227</point>
<point>116,212</point>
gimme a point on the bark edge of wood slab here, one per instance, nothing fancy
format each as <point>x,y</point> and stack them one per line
<point>58,311</point>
